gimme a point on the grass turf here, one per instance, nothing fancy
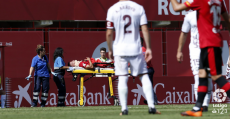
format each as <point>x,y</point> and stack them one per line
<point>105,112</point>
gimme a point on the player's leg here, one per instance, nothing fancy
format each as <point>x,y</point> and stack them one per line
<point>196,78</point>
<point>121,70</point>
<point>208,96</point>
<point>216,70</point>
<point>194,63</point>
<point>202,87</point>
<point>150,74</point>
<point>45,90</point>
<point>195,69</point>
<point>138,67</point>
<point>37,88</point>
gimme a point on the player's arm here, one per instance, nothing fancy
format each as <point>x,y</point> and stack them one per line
<point>182,39</point>
<point>177,7</point>
<point>90,66</point>
<point>148,53</point>
<point>109,39</point>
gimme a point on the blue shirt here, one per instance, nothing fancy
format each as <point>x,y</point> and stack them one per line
<point>58,63</point>
<point>40,66</point>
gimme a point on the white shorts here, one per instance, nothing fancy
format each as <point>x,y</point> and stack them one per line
<point>137,65</point>
<point>194,62</point>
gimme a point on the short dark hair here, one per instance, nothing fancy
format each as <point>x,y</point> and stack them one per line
<point>142,41</point>
<point>103,49</point>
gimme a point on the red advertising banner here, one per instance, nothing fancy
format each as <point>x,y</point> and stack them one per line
<point>78,45</point>
<point>168,90</point>
<point>156,10</point>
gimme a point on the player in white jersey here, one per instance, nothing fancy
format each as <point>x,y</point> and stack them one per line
<point>190,24</point>
<point>127,17</point>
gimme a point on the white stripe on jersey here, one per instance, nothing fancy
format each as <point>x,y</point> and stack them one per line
<point>190,24</point>
<point>126,16</point>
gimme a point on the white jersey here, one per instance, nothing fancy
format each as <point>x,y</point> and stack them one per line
<point>126,17</point>
<point>190,23</point>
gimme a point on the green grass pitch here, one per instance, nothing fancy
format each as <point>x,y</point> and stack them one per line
<point>106,112</point>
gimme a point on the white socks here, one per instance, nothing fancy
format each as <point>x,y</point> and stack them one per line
<point>208,95</point>
<point>196,78</point>
<point>3,99</point>
<point>123,91</point>
<point>148,90</point>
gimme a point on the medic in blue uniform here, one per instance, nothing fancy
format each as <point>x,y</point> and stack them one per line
<point>59,68</point>
<point>41,76</point>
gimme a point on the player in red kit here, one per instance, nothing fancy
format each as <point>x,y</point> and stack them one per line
<point>87,63</point>
<point>208,23</point>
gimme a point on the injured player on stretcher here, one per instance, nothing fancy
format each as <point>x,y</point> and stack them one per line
<point>86,63</point>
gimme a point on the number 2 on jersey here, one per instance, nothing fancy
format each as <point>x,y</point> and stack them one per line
<point>216,10</point>
<point>128,24</point>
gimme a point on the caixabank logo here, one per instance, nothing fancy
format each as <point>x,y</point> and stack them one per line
<point>20,94</point>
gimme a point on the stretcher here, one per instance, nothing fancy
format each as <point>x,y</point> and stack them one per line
<point>108,72</point>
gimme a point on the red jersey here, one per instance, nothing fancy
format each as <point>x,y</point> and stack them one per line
<point>149,64</point>
<point>208,21</point>
<point>86,62</point>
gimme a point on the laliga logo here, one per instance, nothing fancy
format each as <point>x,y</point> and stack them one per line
<point>219,95</point>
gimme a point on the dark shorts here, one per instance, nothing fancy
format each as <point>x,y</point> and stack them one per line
<point>211,57</point>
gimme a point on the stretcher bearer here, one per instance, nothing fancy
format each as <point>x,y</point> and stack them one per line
<point>103,58</point>
<point>41,76</point>
<point>59,68</point>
